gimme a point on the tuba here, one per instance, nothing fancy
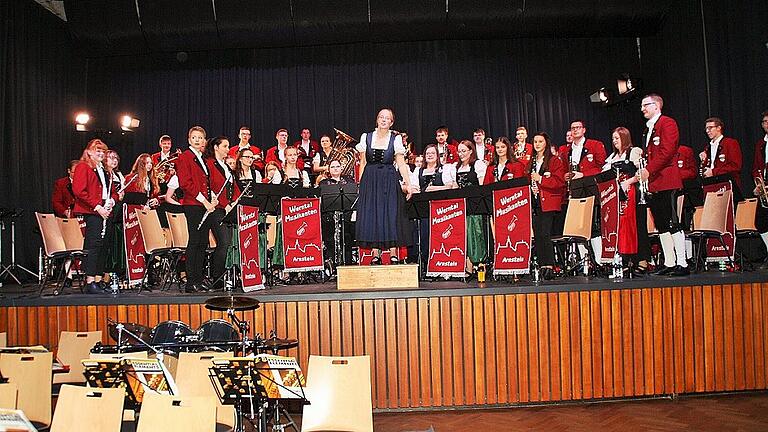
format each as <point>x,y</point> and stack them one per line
<point>344,152</point>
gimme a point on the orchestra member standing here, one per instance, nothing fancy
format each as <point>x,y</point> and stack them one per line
<point>91,186</point>
<point>320,161</point>
<point>164,154</point>
<point>142,180</point>
<point>548,190</point>
<point>471,172</point>
<point>723,155</point>
<point>62,200</point>
<point>522,149</point>
<point>483,150</point>
<point>445,148</point>
<point>760,170</point>
<point>504,165</point>
<point>277,153</point>
<point>586,158</point>
<point>195,183</point>
<point>381,221</point>
<point>307,148</point>
<point>664,183</point>
<point>245,138</point>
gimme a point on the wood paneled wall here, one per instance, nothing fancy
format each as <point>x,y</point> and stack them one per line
<point>497,349</point>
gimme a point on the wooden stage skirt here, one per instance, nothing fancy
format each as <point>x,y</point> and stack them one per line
<point>487,347</point>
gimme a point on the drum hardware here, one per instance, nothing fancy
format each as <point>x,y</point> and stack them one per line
<point>230,305</point>
<point>276,344</point>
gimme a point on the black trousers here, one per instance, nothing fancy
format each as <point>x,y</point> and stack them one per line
<point>94,245</point>
<point>761,219</point>
<point>542,236</point>
<point>198,242</point>
<point>663,207</point>
<point>643,244</point>
<point>223,234</point>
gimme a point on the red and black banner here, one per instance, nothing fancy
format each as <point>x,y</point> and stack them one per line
<point>366,255</point>
<point>302,236</point>
<point>609,219</point>
<point>512,242</point>
<point>447,238</point>
<point>248,238</point>
<point>715,251</point>
<point>134,244</point>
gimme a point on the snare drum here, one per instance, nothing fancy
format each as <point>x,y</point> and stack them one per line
<point>171,332</point>
<point>217,330</point>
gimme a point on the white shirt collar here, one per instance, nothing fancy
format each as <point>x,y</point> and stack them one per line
<point>716,141</point>
<point>579,143</point>
<point>195,152</point>
<point>653,121</point>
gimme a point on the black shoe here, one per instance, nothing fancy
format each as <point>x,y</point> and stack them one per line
<point>665,271</point>
<point>376,260</point>
<point>394,261</point>
<point>680,271</point>
<point>93,288</point>
<point>639,271</point>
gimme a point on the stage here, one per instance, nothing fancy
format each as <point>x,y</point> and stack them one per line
<point>452,344</point>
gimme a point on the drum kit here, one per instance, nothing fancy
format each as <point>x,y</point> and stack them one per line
<point>172,337</point>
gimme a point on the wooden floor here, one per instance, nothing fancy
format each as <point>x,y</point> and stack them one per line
<point>739,412</point>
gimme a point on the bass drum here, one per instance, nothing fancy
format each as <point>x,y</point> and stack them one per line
<point>171,332</point>
<point>217,330</point>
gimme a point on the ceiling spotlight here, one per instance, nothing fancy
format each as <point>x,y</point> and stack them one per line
<point>81,119</point>
<point>128,123</point>
<point>625,84</point>
<point>601,96</point>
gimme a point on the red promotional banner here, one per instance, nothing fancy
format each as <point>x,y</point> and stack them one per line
<point>609,219</point>
<point>248,238</point>
<point>447,238</point>
<point>715,252</point>
<point>512,241</point>
<point>134,244</point>
<point>302,236</point>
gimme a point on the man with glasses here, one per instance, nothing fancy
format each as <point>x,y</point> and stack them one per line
<point>723,155</point>
<point>661,141</point>
<point>245,138</point>
<point>586,158</point>
<point>760,169</point>
<point>483,150</point>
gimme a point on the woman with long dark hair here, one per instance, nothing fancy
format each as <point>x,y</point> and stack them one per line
<point>548,190</point>
<point>505,165</point>
<point>471,172</point>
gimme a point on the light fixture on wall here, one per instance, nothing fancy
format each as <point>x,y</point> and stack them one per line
<point>81,121</point>
<point>129,123</point>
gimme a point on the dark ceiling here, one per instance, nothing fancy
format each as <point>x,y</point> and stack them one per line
<point>125,27</point>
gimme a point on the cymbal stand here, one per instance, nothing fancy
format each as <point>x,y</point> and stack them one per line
<point>244,328</point>
<point>13,266</point>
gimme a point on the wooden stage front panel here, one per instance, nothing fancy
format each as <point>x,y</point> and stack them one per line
<point>496,349</point>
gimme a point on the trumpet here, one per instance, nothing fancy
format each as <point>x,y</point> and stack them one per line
<point>762,194</point>
<point>642,185</point>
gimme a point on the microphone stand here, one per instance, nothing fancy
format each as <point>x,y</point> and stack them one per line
<point>121,328</point>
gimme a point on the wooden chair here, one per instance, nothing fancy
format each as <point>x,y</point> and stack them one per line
<point>32,374</point>
<point>577,230</point>
<point>176,414</point>
<point>746,212</point>
<point>74,347</point>
<point>339,392</point>
<point>55,250</point>
<point>88,409</point>
<point>73,235</point>
<point>712,223</point>
<point>155,245</point>
<point>9,394</point>
<point>3,339</point>
<point>192,379</point>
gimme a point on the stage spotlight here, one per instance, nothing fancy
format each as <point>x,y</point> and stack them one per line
<point>625,84</point>
<point>81,120</point>
<point>601,96</point>
<point>128,123</point>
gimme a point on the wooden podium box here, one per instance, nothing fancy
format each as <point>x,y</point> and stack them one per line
<point>378,277</point>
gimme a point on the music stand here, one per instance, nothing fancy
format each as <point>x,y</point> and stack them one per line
<point>10,215</point>
<point>339,199</point>
<point>109,374</point>
<point>234,383</point>
<point>725,178</point>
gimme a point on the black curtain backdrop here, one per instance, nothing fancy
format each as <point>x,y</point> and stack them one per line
<point>542,83</point>
<point>496,85</point>
<point>40,83</point>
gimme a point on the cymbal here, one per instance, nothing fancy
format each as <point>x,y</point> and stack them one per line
<point>231,302</point>
<point>275,343</point>
<point>143,333</point>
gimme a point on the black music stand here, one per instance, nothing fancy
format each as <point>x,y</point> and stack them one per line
<point>343,199</point>
<point>738,196</point>
<point>110,374</point>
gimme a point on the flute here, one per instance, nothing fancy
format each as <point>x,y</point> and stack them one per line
<point>208,212</point>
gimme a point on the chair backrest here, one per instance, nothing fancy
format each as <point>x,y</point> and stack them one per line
<point>272,230</point>
<point>192,379</point>
<point>715,214</point>
<point>115,356</point>
<point>697,212</point>
<point>9,393</point>
<point>339,392</point>
<point>3,339</point>
<point>650,223</point>
<point>578,217</point>
<point>32,374</point>
<point>74,347</point>
<point>151,230</point>
<point>177,222</point>
<point>73,235</point>
<point>745,215</point>
<point>176,414</point>
<point>88,409</point>
<point>53,241</point>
